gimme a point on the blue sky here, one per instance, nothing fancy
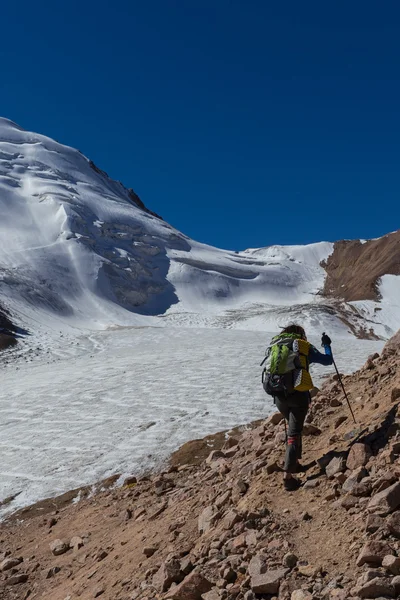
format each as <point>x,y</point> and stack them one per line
<point>243,123</point>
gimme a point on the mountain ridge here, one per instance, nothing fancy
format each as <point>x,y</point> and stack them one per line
<point>81,251</point>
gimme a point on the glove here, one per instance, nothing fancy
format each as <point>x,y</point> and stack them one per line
<point>325,340</point>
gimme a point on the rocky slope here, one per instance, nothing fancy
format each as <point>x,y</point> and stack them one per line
<point>217,523</point>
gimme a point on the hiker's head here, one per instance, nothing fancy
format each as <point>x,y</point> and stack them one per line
<point>296,329</point>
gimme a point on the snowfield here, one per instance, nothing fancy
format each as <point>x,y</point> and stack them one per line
<point>122,401</point>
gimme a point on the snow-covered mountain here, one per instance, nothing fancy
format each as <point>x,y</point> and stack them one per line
<point>79,250</point>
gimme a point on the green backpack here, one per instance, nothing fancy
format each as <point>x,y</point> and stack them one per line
<point>286,365</point>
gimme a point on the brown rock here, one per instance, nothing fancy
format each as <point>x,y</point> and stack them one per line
<point>376,588</point>
<point>257,565</point>
<point>268,582</point>
<point>373,553</point>
<point>392,564</point>
<point>16,579</point>
<point>76,542</point>
<point>396,584</point>
<point>10,563</point>
<point>206,519</point>
<point>191,588</point>
<point>167,574</point>
<point>336,465</point>
<point>374,522</point>
<point>311,429</point>
<point>393,523</point>
<point>149,550</point>
<point>358,456</point>
<point>395,394</point>
<point>59,547</point>
<point>275,418</point>
<point>355,477</point>
<point>213,594</point>
<point>339,421</point>
<point>386,501</point>
<point>301,595</point>
<point>230,519</point>
<point>214,455</point>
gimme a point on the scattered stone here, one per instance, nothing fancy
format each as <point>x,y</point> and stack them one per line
<point>149,550</point>
<point>375,522</point>
<point>268,582</point>
<point>396,585</point>
<point>275,418</point>
<point>192,588</point>
<point>339,421</point>
<point>130,481</point>
<point>242,486</point>
<point>10,563</point>
<point>290,560</point>
<point>395,394</point>
<point>223,499</point>
<point>59,547</point>
<point>358,456</point>
<point>230,519</point>
<point>53,571</point>
<point>311,429</point>
<point>393,523</point>
<point>213,594</point>
<point>76,542</point>
<point>99,592</point>
<point>101,554</point>
<point>386,501</point>
<point>305,516</point>
<point>301,595</point>
<point>17,579</point>
<point>355,477</point>
<point>334,403</point>
<point>214,455</point>
<point>392,564</point>
<point>309,570</point>
<point>157,512</point>
<point>373,553</point>
<point>206,519</point>
<point>336,465</point>
<point>311,484</point>
<point>377,588</point>
<point>167,574</point>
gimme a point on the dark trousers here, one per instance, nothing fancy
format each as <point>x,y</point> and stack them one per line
<point>294,408</point>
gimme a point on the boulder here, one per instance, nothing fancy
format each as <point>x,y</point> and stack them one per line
<point>374,522</point>
<point>268,582</point>
<point>192,588</point>
<point>386,501</point>
<point>392,564</point>
<point>393,523</point>
<point>358,456</point>
<point>167,574</point>
<point>16,579</point>
<point>395,394</point>
<point>275,418</point>
<point>59,547</point>
<point>373,553</point>
<point>10,563</point>
<point>377,588</point>
<point>355,477</point>
<point>336,465</point>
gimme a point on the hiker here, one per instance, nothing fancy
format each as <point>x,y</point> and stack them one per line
<point>286,377</point>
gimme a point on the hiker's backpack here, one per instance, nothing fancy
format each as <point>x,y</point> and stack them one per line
<point>286,365</point>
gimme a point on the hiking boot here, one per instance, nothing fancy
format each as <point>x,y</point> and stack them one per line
<point>291,484</point>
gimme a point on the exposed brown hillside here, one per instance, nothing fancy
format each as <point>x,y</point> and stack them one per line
<point>354,268</point>
<point>222,527</point>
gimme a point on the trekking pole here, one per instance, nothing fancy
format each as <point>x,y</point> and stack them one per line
<point>344,391</point>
